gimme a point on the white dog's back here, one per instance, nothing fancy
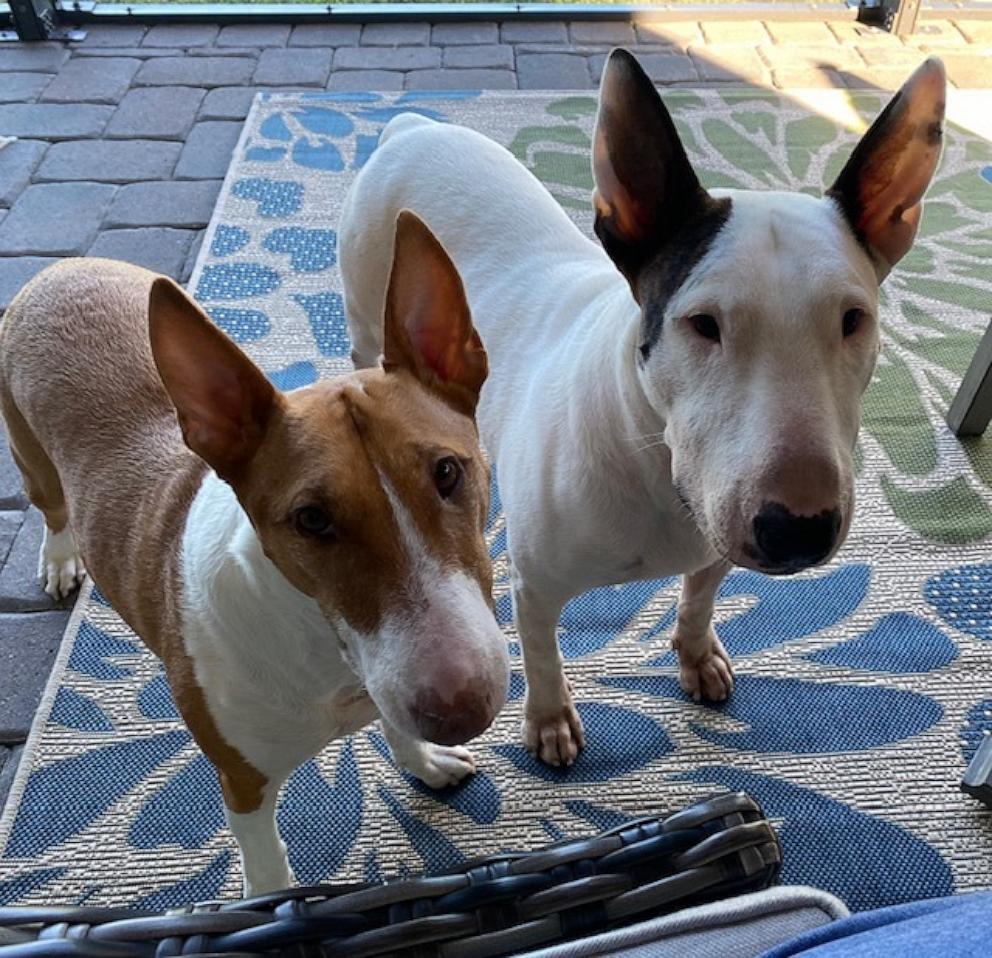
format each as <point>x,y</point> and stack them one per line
<point>436,170</point>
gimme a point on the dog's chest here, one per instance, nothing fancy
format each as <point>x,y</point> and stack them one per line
<point>663,545</point>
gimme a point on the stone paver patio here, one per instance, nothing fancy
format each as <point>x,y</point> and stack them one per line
<point>123,140</point>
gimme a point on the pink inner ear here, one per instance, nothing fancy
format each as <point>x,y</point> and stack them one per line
<point>434,348</point>
<point>628,216</point>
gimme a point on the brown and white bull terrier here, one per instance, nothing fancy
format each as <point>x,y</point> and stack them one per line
<point>303,562</point>
<point>681,398</point>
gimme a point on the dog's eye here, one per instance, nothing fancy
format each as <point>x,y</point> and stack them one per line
<point>851,321</point>
<point>706,326</point>
<point>447,476</point>
<point>313,521</point>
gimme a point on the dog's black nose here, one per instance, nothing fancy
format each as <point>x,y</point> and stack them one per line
<point>788,543</point>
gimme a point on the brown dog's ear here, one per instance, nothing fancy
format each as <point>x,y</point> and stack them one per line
<point>880,189</point>
<point>646,189</point>
<point>429,329</point>
<point>223,400</point>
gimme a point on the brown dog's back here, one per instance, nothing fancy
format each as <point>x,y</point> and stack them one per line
<point>86,411</point>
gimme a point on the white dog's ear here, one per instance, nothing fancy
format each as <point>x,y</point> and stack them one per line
<point>646,189</point>
<point>881,188</point>
<point>429,329</point>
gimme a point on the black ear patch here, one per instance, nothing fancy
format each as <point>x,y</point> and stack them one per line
<point>646,188</point>
<point>653,216</point>
<point>660,279</point>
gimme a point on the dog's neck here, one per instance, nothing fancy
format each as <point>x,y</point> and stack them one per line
<point>628,428</point>
<point>237,601</point>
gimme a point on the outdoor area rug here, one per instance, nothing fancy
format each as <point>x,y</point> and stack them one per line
<point>863,688</point>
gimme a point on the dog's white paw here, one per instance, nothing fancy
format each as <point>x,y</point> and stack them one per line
<point>267,876</point>
<point>706,674</point>
<point>60,567</point>
<point>439,766</point>
<point>555,736</point>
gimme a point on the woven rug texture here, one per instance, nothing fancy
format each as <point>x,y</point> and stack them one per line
<point>863,687</point>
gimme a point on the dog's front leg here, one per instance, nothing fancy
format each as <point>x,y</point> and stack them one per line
<point>264,865</point>
<point>704,666</point>
<point>552,729</point>
<point>435,765</point>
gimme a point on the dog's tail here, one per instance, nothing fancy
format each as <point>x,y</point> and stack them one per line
<point>401,123</point>
<point>366,231</point>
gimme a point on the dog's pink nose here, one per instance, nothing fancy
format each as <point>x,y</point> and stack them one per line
<point>454,719</point>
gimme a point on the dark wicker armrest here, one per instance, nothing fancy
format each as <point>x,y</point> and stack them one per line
<point>502,905</point>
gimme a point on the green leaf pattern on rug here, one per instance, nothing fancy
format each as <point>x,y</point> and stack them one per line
<point>952,514</point>
<point>933,307</point>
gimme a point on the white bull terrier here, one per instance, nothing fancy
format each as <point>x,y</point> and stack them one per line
<point>684,397</point>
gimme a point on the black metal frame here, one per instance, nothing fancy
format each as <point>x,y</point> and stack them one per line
<point>39,20</point>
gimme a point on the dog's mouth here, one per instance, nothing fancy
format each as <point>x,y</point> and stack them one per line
<point>749,555</point>
<point>716,544</point>
<point>755,562</point>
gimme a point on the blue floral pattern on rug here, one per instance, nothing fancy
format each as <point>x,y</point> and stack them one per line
<point>862,689</point>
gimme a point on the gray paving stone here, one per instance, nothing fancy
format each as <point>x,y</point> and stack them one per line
<point>196,71</point>
<point>730,63</point>
<point>8,771</point>
<point>661,67</point>
<point>28,645</point>
<point>325,35</point>
<point>387,58</point>
<point>181,35</point>
<point>92,80</point>
<point>461,80</point>
<point>569,49</point>
<point>395,34</point>
<point>165,113</point>
<point>186,203</point>
<point>18,160</point>
<point>295,67</point>
<point>20,588</point>
<point>23,87</point>
<point>227,103</point>
<point>33,58</point>
<point>351,81</point>
<point>207,151</point>
<point>142,53</point>
<point>252,52</point>
<point>552,71</point>
<point>108,161</point>
<point>53,121</point>
<point>602,31</point>
<point>111,35</point>
<point>533,31</point>
<point>469,32</point>
<point>10,525</point>
<point>158,249</point>
<point>11,487</point>
<point>254,35</point>
<point>495,55</point>
<point>55,219</point>
<point>194,252</point>
<point>15,271</point>
<point>673,33</point>
<point>972,70</point>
